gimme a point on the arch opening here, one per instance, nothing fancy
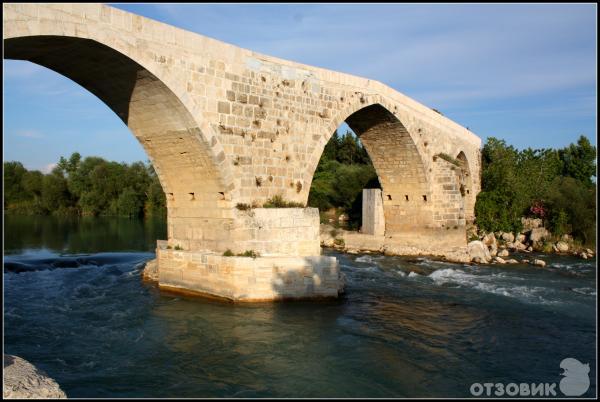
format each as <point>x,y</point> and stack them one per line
<point>398,167</point>
<point>184,163</point>
<point>153,113</point>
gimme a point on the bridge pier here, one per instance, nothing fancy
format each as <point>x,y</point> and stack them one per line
<point>283,262</point>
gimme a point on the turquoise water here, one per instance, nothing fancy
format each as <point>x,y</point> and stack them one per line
<point>75,306</point>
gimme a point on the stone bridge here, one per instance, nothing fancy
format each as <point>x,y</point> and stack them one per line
<point>225,126</point>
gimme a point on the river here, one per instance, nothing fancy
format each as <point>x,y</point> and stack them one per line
<point>75,306</point>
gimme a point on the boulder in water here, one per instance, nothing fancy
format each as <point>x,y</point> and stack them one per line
<point>478,252</point>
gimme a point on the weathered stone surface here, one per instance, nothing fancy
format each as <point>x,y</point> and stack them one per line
<point>373,219</point>
<point>508,237</point>
<point>478,252</point>
<point>538,262</point>
<point>22,380</point>
<point>538,234</point>
<point>531,223</point>
<point>247,279</point>
<point>503,253</point>
<point>150,272</point>
<point>493,250</point>
<point>516,246</point>
<point>489,239</point>
<point>499,260</point>
<point>562,247</point>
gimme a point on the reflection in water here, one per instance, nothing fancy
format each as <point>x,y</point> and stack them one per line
<point>93,325</point>
<point>82,234</point>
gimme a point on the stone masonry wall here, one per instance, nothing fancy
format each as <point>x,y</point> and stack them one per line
<point>373,220</point>
<point>248,279</point>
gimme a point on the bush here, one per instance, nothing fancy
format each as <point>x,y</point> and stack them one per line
<point>277,201</point>
<point>494,212</point>
<point>249,253</point>
<point>242,206</point>
<point>228,253</point>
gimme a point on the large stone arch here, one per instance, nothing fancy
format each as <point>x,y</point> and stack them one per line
<point>186,164</point>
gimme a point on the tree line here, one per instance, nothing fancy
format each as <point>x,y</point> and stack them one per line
<point>556,185</point>
<point>92,186</point>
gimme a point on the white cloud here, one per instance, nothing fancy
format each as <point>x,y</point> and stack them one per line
<point>29,134</point>
<point>48,168</point>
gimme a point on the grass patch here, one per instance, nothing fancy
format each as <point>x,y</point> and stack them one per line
<point>228,253</point>
<point>243,206</point>
<point>277,201</point>
<point>249,253</point>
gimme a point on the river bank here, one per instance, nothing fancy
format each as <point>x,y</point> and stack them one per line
<point>483,248</point>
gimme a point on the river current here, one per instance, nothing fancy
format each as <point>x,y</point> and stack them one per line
<point>75,306</point>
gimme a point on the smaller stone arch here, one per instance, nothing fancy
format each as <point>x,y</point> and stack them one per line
<point>398,162</point>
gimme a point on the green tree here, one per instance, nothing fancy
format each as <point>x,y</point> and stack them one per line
<point>129,203</point>
<point>13,188</point>
<point>55,193</point>
<point>579,160</point>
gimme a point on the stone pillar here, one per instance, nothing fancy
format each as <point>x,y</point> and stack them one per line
<point>373,221</point>
<point>284,262</point>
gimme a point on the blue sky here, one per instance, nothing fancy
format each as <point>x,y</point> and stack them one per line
<point>524,73</point>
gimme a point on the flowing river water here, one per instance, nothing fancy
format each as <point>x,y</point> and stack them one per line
<point>75,306</point>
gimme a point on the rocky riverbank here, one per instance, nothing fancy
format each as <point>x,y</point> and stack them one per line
<point>534,237</point>
<point>22,380</point>
<point>484,248</point>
